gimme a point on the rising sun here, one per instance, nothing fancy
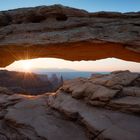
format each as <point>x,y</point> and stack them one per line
<point>26,66</point>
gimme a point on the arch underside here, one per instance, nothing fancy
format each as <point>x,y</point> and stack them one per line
<point>72,34</point>
<point>74,52</point>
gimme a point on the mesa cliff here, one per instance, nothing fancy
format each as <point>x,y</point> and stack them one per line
<point>68,33</point>
<point>28,83</point>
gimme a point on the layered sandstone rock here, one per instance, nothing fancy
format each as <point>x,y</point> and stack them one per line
<point>115,91</point>
<point>101,123</point>
<point>68,33</point>
<point>80,110</point>
<point>30,118</point>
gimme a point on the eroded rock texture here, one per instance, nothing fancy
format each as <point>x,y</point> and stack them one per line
<point>101,107</point>
<point>117,90</point>
<point>68,33</point>
<point>30,118</point>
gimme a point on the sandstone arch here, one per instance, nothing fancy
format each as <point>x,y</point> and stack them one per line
<point>68,33</point>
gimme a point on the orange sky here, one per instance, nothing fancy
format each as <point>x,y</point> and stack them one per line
<point>109,64</point>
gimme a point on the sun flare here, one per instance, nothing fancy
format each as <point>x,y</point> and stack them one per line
<point>26,66</point>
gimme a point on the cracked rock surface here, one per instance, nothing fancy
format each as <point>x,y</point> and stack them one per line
<point>82,109</point>
<point>118,90</point>
<point>30,118</point>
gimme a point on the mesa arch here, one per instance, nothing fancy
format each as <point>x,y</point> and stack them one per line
<point>68,33</point>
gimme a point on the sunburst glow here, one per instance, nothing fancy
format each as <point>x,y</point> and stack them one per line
<point>109,64</point>
<point>26,65</point>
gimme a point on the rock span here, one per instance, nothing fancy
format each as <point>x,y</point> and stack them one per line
<point>68,33</point>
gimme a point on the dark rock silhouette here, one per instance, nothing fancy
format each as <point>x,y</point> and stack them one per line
<point>28,83</point>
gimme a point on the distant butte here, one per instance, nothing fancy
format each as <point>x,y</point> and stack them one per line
<point>68,33</point>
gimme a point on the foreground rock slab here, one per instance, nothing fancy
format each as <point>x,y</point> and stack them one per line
<point>34,118</point>
<point>103,124</point>
<point>82,109</point>
<point>29,117</point>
